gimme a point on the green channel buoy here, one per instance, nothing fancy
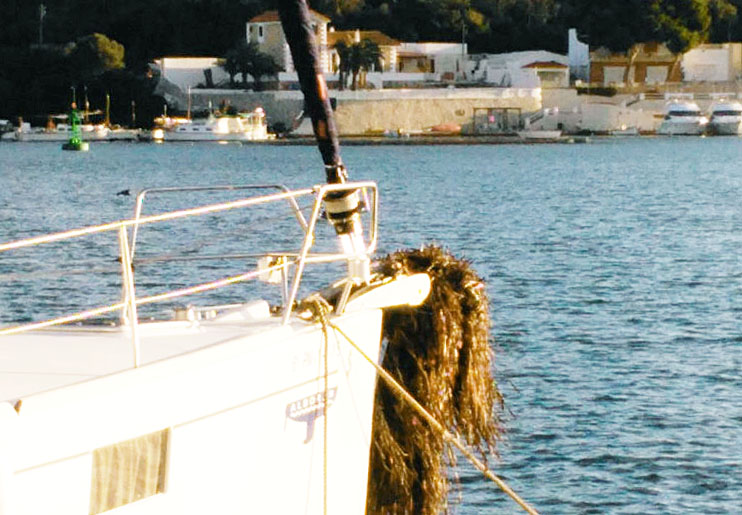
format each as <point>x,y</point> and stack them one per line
<point>75,142</point>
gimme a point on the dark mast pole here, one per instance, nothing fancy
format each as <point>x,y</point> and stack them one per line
<point>299,34</point>
<point>342,207</point>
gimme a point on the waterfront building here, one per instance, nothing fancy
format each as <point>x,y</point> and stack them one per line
<point>713,63</point>
<point>265,29</point>
<point>578,54</point>
<point>647,63</point>
<point>387,46</point>
<point>190,72</point>
<point>527,69</point>
<point>402,62</point>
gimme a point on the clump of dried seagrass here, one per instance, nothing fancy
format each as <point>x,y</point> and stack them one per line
<point>440,353</point>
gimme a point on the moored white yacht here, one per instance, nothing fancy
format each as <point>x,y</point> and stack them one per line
<point>540,134</point>
<point>250,126</point>
<point>58,133</point>
<point>725,118</point>
<point>683,118</point>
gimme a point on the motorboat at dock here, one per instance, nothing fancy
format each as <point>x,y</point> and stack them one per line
<point>62,132</point>
<point>725,118</point>
<point>683,118</point>
<point>250,126</point>
<point>59,133</point>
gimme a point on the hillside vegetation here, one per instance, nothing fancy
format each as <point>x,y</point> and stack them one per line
<point>35,78</point>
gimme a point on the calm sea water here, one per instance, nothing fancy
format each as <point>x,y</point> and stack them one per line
<point>614,270</point>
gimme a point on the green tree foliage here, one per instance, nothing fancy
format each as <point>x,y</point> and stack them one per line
<point>147,29</point>
<point>357,58</point>
<point>95,54</point>
<point>34,79</point>
<point>615,25</point>
<point>724,16</point>
<point>246,59</point>
<point>150,30</point>
<point>230,64</point>
<point>681,24</point>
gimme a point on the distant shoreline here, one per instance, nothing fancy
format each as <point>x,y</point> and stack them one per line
<point>428,140</point>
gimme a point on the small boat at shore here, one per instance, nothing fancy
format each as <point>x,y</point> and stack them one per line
<point>625,130</point>
<point>62,132</point>
<point>725,118</point>
<point>250,126</point>
<point>59,133</point>
<point>683,118</point>
<point>539,135</point>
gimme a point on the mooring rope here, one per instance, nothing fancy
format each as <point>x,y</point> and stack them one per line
<point>325,322</point>
<point>320,308</point>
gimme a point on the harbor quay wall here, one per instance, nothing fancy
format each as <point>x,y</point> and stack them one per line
<point>573,113</point>
<point>418,110</point>
<point>370,112</point>
<point>374,111</point>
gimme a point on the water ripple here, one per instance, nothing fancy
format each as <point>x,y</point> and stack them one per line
<point>613,271</point>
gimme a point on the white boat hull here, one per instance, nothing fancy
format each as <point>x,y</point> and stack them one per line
<point>682,129</point>
<point>683,118</point>
<point>238,408</point>
<point>243,420</point>
<point>540,135</point>
<point>251,127</point>
<point>625,131</point>
<point>62,136</point>
<point>91,134</point>
<point>726,127</point>
<point>231,136</point>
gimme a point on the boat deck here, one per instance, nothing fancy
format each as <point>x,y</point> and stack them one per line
<point>43,360</point>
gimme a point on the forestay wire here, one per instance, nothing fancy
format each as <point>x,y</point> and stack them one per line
<point>320,308</point>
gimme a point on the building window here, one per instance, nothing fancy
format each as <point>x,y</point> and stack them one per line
<point>261,34</point>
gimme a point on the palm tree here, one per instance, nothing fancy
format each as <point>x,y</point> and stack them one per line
<point>246,59</point>
<point>344,53</point>
<point>357,58</point>
<point>230,64</point>
<point>261,65</point>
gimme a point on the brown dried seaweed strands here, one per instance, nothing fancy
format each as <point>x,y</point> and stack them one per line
<point>440,353</point>
<point>445,434</point>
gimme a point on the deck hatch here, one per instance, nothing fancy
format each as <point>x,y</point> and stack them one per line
<point>128,471</point>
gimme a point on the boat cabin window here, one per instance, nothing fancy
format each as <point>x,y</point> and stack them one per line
<point>727,113</point>
<point>684,113</point>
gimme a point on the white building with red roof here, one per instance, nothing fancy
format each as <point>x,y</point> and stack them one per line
<point>528,69</point>
<point>265,29</point>
<point>416,61</point>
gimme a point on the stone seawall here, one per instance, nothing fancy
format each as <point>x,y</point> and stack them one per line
<point>375,111</point>
<point>371,112</point>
